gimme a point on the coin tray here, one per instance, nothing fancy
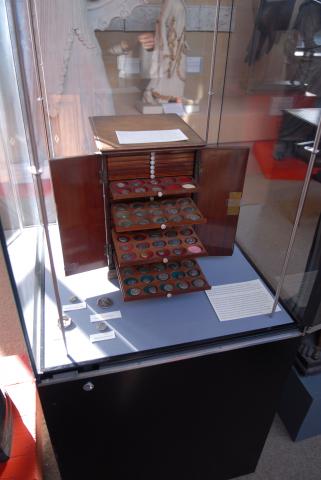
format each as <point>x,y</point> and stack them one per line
<point>157,187</point>
<point>151,246</point>
<point>161,280</point>
<point>155,214</point>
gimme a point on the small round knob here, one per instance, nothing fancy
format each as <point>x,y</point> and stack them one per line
<point>88,387</point>
<point>160,194</point>
<point>165,260</point>
<point>163,226</point>
<point>169,295</point>
<point>152,176</point>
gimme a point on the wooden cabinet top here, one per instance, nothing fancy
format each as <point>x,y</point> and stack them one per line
<point>105,127</point>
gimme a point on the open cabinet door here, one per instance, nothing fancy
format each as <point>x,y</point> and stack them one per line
<point>79,201</point>
<point>221,173</point>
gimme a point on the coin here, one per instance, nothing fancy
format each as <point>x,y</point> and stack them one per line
<point>167,287</point>
<point>101,326</point>
<point>174,242</point>
<point>130,281</point>
<point>124,223</point>
<point>105,302</point>
<point>191,240</point>
<point>193,217</point>
<point>159,243</point>
<point>188,263</point>
<point>178,275</point>
<point>123,239</point>
<point>198,283</point>
<point>194,249</point>
<point>182,285</point>
<point>134,292</point>
<point>186,231</point>
<point>163,276</point>
<point>193,273</point>
<point>147,278</point>
<point>150,289</point>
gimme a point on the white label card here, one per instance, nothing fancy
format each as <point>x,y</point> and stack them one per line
<point>234,301</point>
<point>74,306</point>
<point>150,136</point>
<point>99,337</point>
<point>99,317</point>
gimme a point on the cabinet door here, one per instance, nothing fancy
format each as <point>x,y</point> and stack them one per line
<point>80,209</point>
<point>221,173</point>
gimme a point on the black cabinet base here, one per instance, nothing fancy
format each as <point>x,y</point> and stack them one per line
<point>198,419</point>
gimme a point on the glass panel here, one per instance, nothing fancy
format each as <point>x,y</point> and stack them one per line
<point>123,58</point>
<point>270,69</point>
<point>18,204</point>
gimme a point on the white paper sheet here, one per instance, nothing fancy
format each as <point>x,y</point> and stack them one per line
<point>150,136</point>
<point>105,316</point>
<point>240,300</point>
<point>177,108</point>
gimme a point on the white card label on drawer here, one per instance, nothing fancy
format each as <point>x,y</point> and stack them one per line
<point>74,306</point>
<point>99,317</point>
<point>99,337</point>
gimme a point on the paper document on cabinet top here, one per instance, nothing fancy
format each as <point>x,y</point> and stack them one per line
<point>241,300</point>
<point>150,136</point>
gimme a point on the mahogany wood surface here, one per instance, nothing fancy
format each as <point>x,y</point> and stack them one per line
<point>221,174</point>
<point>104,129</point>
<point>80,211</point>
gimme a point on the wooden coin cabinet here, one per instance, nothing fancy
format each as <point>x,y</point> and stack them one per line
<point>148,210</point>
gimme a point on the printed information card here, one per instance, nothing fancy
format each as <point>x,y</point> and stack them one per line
<point>234,301</point>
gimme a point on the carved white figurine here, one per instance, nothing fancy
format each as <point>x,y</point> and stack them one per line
<point>76,81</point>
<point>167,71</point>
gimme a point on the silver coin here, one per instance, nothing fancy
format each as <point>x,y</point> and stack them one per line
<point>105,302</point>
<point>163,276</point>
<point>134,292</point>
<point>198,282</point>
<point>193,273</point>
<point>167,287</point>
<point>182,285</point>
<point>101,326</point>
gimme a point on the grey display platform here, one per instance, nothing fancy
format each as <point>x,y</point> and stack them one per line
<point>302,417</point>
<point>144,325</point>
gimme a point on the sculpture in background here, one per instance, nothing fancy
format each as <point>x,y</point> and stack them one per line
<point>167,69</point>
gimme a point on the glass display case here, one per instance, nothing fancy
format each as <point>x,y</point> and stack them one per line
<point>91,224</point>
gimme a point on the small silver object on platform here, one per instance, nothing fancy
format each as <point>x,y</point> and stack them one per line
<point>104,302</point>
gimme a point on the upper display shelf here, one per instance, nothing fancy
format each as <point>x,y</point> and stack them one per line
<point>105,129</point>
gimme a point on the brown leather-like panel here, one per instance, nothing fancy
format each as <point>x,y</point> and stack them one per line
<point>80,209</point>
<point>221,173</point>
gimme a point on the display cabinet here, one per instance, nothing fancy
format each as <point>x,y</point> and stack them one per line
<point>148,210</point>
